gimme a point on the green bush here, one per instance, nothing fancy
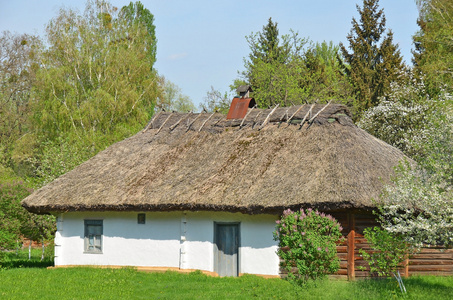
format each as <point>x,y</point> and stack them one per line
<point>307,244</point>
<point>388,251</point>
<point>11,213</point>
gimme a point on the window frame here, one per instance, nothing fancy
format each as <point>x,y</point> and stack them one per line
<point>97,238</point>
<point>141,218</point>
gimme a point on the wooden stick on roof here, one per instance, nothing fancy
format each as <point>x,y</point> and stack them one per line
<point>268,116</point>
<point>191,123</point>
<point>292,116</point>
<point>172,127</point>
<point>150,123</point>
<point>317,114</point>
<point>216,122</point>
<point>202,125</point>
<point>243,120</point>
<point>256,118</point>
<point>283,117</point>
<point>161,126</point>
<point>306,115</point>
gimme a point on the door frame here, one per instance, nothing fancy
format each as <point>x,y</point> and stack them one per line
<point>216,250</point>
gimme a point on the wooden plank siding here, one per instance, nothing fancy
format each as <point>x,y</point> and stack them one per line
<point>430,261</point>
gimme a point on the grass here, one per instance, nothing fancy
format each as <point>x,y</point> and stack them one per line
<point>21,281</point>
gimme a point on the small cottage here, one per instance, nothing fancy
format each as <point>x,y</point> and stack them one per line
<point>203,192</point>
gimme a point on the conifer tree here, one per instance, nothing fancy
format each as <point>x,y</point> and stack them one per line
<point>375,61</point>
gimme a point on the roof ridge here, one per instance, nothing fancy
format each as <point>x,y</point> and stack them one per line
<point>256,118</point>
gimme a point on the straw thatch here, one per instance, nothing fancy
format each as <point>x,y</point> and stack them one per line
<point>205,162</point>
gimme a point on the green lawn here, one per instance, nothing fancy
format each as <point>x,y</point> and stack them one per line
<point>23,279</point>
<point>91,283</point>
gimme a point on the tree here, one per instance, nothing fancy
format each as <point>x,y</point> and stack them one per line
<point>265,46</point>
<point>172,99</point>
<point>402,116</point>
<point>288,70</point>
<point>323,78</point>
<point>418,204</point>
<point>19,57</point>
<point>16,222</point>
<point>135,14</point>
<point>272,67</point>
<point>96,84</point>
<point>433,55</point>
<point>216,101</point>
<point>375,61</point>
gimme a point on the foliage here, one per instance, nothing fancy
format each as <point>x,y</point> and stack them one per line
<point>171,98</point>
<point>288,70</point>
<point>57,158</point>
<point>273,68</point>
<point>433,55</point>
<point>136,15</point>
<point>324,78</point>
<point>19,56</point>
<point>388,252</point>
<point>11,213</point>
<point>401,117</point>
<point>419,203</point>
<point>96,77</point>
<point>215,101</point>
<point>16,222</point>
<point>375,61</point>
<point>307,244</point>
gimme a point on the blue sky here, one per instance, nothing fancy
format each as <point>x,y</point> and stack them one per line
<point>202,43</point>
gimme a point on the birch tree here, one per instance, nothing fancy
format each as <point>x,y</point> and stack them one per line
<point>97,78</point>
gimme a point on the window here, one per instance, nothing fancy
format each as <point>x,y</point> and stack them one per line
<point>141,218</point>
<point>93,236</point>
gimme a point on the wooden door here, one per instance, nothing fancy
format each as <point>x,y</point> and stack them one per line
<point>226,256</point>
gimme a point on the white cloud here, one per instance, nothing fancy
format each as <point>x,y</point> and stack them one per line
<point>177,56</point>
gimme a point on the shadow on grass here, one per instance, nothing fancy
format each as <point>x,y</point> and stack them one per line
<point>423,287</point>
<point>438,284</point>
<point>25,263</point>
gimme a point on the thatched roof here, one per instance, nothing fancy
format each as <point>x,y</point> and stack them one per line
<point>205,162</point>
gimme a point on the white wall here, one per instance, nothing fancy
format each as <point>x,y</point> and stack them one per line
<point>168,239</point>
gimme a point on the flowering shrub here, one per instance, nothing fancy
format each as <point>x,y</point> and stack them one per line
<point>400,118</point>
<point>418,204</point>
<point>307,244</point>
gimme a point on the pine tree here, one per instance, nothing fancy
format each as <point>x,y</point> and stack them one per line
<point>273,67</point>
<point>265,46</point>
<point>375,60</point>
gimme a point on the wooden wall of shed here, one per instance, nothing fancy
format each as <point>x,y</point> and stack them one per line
<point>430,261</point>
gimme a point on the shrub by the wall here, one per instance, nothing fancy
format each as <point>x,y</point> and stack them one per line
<point>307,244</point>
